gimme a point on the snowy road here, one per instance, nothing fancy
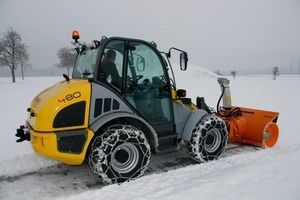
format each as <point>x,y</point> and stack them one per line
<point>56,179</point>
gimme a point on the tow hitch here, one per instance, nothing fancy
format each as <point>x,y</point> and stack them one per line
<point>22,134</point>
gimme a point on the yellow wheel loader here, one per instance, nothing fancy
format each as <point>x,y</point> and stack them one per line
<point>122,104</point>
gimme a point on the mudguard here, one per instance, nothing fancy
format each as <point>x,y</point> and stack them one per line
<point>195,116</point>
<point>148,130</point>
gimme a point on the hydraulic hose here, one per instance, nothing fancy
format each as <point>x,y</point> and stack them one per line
<point>235,111</point>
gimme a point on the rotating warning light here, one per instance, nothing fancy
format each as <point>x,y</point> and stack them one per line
<point>75,35</point>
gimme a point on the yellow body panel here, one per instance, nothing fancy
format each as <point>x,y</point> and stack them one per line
<point>46,145</point>
<point>178,100</point>
<point>46,105</point>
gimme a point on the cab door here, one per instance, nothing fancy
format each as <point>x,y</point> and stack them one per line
<point>148,90</point>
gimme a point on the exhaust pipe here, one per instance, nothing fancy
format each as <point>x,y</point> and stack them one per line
<point>226,96</point>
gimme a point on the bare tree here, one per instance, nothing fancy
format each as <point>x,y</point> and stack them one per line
<point>275,72</point>
<point>233,73</point>
<point>66,57</point>
<point>13,53</point>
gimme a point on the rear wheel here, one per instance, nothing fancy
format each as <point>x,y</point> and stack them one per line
<point>209,139</point>
<point>121,154</point>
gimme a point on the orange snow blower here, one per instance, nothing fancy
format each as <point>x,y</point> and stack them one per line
<point>247,125</point>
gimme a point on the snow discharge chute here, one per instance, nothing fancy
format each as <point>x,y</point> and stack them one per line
<point>247,125</point>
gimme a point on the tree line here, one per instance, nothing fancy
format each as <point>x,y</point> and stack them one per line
<point>233,73</point>
<point>14,54</point>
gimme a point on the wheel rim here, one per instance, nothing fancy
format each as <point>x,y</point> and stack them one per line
<point>125,158</point>
<point>212,140</point>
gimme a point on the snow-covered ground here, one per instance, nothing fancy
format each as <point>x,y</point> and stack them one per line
<point>260,174</point>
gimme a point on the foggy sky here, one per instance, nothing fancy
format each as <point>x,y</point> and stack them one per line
<point>224,34</point>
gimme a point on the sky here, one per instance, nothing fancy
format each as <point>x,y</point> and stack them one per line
<point>218,35</point>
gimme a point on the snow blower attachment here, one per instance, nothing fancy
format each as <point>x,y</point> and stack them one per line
<point>247,125</point>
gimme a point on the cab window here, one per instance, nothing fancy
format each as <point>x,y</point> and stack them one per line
<point>147,84</point>
<point>85,63</point>
<point>111,65</point>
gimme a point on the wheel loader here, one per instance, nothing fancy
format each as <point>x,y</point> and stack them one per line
<point>122,104</point>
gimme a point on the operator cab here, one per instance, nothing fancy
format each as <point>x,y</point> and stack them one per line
<point>136,71</point>
<point>139,75</point>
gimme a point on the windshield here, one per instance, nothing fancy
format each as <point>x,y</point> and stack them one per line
<point>85,64</point>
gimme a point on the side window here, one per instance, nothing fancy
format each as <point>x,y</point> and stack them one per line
<point>85,64</point>
<point>146,83</point>
<point>111,65</point>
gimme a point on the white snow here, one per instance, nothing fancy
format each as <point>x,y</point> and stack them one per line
<point>264,174</point>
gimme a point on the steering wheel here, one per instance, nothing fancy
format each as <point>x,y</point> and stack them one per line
<point>139,77</point>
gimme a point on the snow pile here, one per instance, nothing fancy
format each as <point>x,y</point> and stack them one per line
<point>18,158</point>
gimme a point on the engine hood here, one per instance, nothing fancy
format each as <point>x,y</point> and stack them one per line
<point>61,106</point>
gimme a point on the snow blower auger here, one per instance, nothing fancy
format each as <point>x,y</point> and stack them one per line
<point>122,104</point>
<point>247,125</point>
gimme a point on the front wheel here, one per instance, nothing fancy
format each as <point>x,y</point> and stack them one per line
<point>209,139</point>
<point>121,154</point>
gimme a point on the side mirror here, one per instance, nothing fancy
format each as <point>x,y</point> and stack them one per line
<point>183,61</point>
<point>140,64</point>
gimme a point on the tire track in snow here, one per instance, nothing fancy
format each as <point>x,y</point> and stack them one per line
<point>62,180</point>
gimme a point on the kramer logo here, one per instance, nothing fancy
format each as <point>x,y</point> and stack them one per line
<point>70,97</point>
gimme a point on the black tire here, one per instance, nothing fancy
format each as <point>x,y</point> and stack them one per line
<point>121,153</point>
<point>209,139</point>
